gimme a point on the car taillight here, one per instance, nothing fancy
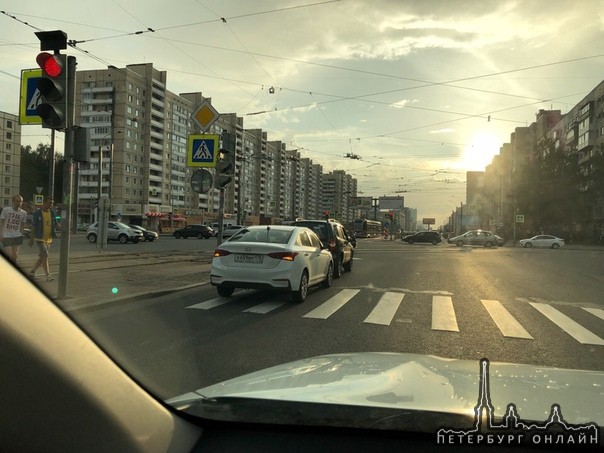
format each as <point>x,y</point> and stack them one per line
<point>286,256</point>
<point>221,252</point>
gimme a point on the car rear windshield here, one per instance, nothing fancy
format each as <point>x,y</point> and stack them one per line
<point>268,235</point>
<point>320,229</point>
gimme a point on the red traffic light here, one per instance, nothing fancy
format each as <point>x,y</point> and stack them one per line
<point>50,64</point>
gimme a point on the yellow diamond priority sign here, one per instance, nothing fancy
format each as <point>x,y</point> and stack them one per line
<point>205,115</point>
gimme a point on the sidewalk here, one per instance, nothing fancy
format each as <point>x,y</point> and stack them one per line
<point>96,279</point>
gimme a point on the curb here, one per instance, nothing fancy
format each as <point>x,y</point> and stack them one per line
<point>125,299</point>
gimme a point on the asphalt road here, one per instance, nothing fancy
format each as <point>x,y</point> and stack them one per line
<point>541,307</point>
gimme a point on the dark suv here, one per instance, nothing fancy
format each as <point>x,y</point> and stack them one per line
<point>334,236</point>
<point>432,237</point>
<point>198,231</point>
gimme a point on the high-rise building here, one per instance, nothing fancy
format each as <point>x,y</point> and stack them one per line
<point>10,157</point>
<point>139,143</point>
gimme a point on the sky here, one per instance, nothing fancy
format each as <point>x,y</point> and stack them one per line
<point>419,91</point>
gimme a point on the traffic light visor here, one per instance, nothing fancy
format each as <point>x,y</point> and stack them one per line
<point>50,64</point>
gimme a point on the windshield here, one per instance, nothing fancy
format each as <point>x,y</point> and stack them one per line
<point>271,235</point>
<point>481,123</point>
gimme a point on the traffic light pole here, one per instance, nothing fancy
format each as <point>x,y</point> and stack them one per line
<point>67,201</point>
<point>66,209</point>
<point>220,217</point>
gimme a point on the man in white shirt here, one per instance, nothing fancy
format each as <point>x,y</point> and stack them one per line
<point>12,223</point>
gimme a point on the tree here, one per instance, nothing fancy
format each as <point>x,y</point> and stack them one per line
<point>547,189</point>
<point>34,172</point>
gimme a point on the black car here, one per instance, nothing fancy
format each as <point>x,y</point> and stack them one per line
<point>431,237</point>
<point>198,231</point>
<point>334,236</point>
<point>148,235</point>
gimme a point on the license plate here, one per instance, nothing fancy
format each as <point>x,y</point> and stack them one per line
<point>251,259</point>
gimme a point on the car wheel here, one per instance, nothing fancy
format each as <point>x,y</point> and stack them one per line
<point>91,237</point>
<point>134,241</point>
<point>488,244</point>
<point>528,245</point>
<point>329,277</point>
<point>555,246</point>
<point>434,242</point>
<point>348,265</point>
<point>411,241</point>
<point>177,235</point>
<point>151,239</point>
<point>123,238</point>
<point>299,296</point>
<point>459,243</point>
<point>225,291</point>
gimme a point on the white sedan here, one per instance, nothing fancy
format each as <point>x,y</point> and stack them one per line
<point>272,257</point>
<point>542,240</point>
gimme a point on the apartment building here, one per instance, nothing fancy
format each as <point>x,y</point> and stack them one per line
<point>139,144</point>
<point>10,157</point>
<point>337,192</point>
<point>508,180</point>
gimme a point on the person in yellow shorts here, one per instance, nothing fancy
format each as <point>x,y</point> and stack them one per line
<point>43,232</point>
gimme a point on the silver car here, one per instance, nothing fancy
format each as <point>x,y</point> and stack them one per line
<point>475,237</point>
<point>116,231</point>
<point>542,240</point>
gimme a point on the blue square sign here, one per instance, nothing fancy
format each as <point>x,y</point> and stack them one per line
<point>203,150</point>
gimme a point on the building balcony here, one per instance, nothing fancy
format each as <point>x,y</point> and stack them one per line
<point>158,135</point>
<point>158,103</point>
<point>157,146</point>
<point>98,101</point>
<point>98,90</point>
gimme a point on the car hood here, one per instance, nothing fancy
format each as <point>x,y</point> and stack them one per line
<point>413,382</point>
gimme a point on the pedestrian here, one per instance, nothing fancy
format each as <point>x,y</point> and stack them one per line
<point>43,232</point>
<point>12,224</point>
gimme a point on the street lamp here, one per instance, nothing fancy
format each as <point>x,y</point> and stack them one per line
<point>100,169</point>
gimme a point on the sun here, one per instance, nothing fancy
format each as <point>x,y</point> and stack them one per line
<point>480,151</point>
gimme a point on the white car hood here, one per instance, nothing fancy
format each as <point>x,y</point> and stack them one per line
<point>417,382</point>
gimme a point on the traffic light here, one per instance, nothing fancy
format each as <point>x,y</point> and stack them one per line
<point>391,214</point>
<point>326,214</point>
<point>169,216</point>
<point>53,89</point>
<point>224,169</point>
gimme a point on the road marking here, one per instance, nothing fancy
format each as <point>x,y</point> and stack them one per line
<point>385,310</point>
<point>265,307</point>
<point>443,314</point>
<point>507,324</point>
<point>575,330</point>
<point>326,309</point>
<point>212,303</point>
<point>596,312</point>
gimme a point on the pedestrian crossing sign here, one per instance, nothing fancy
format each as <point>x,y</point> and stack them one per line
<point>203,150</point>
<point>29,97</point>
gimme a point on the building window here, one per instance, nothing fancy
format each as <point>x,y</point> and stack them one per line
<point>9,124</point>
<point>9,135</point>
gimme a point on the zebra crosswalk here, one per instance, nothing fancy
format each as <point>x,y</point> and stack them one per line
<point>444,316</point>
